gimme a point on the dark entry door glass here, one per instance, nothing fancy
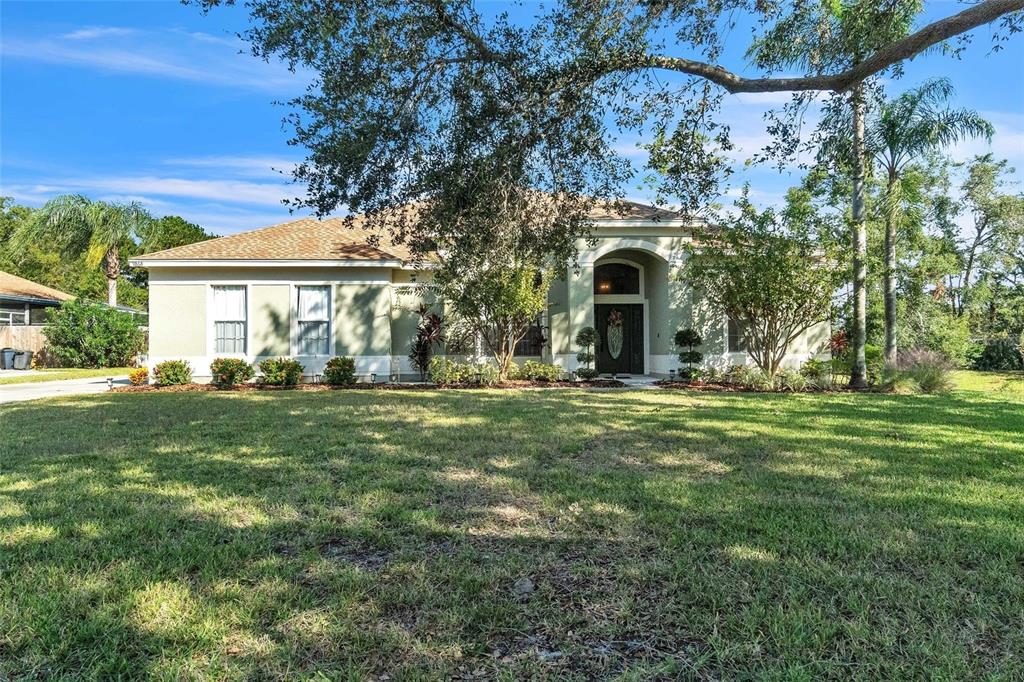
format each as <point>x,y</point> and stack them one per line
<point>620,329</point>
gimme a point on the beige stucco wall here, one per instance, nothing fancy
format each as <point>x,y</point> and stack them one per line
<point>177,319</point>
<point>271,319</point>
<point>362,314</point>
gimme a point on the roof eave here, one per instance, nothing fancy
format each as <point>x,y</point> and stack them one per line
<point>266,263</point>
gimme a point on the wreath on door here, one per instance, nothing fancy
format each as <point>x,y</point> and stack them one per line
<point>614,334</point>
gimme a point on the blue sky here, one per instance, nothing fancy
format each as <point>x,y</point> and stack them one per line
<point>155,102</point>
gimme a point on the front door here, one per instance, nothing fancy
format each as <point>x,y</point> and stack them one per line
<point>620,330</point>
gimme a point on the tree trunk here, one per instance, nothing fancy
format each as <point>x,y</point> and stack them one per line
<point>112,270</point>
<point>858,368</point>
<point>889,276</point>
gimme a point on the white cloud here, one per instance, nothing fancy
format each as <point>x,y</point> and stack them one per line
<point>182,57</point>
<point>93,32</point>
<point>248,166</point>
<point>235,191</point>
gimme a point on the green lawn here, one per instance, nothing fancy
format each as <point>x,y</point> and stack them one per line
<point>59,374</point>
<point>350,534</point>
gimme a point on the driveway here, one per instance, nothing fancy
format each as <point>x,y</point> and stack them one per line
<point>13,393</point>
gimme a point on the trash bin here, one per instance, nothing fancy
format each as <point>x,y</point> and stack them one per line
<point>7,358</point>
<point>23,359</point>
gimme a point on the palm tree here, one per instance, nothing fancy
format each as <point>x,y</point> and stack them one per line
<point>98,228</point>
<point>906,129</point>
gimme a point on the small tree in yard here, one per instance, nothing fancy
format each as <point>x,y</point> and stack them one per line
<point>493,302</point>
<point>92,335</point>
<point>586,339</point>
<point>429,334</point>
<point>688,338</point>
<point>768,271</point>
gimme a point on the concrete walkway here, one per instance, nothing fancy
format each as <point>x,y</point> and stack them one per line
<point>12,393</point>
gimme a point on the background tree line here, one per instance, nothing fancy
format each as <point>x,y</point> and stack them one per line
<point>82,247</point>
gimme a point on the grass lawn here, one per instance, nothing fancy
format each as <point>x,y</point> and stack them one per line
<point>60,374</point>
<point>663,534</point>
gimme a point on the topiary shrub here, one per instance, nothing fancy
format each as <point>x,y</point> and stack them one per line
<point>586,373</point>
<point>172,373</point>
<point>688,338</point>
<point>340,371</point>
<point>231,371</point>
<point>586,339</point>
<point>82,334</point>
<point>281,371</point>
<point>138,377</point>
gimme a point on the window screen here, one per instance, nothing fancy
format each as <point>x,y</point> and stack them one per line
<point>314,315</point>
<point>229,319</point>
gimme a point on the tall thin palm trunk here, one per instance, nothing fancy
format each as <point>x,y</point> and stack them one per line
<point>889,274</point>
<point>112,269</point>
<point>858,368</point>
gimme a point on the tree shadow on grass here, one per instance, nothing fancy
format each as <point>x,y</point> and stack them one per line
<point>719,536</point>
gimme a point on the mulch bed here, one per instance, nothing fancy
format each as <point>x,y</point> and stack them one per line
<point>211,388</point>
<point>713,387</point>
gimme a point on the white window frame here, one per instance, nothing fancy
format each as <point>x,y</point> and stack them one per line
<point>294,312</point>
<point>211,321</point>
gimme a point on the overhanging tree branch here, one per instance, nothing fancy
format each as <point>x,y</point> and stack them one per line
<point>978,15</point>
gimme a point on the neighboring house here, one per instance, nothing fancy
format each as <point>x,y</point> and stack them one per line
<point>313,289</point>
<point>23,302</point>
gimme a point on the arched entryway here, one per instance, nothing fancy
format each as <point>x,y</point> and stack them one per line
<point>620,316</point>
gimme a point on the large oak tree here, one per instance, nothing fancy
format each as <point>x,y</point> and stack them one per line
<point>433,99</point>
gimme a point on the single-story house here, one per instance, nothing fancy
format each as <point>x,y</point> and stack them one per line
<point>312,289</point>
<point>24,302</point>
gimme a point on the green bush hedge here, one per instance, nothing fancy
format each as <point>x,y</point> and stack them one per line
<point>531,370</point>
<point>231,371</point>
<point>445,372</point>
<point>281,371</point>
<point>172,373</point>
<point>340,372</point>
<point>82,334</point>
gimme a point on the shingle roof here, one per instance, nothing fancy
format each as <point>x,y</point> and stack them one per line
<point>303,239</point>
<point>12,285</point>
<point>338,239</point>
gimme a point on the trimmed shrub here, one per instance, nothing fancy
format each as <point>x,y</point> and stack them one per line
<point>441,370</point>
<point>691,374</point>
<point>138,377</point>
<point>231,371</point>
<point>531,370</point>
<point>586,373</point>
<point>281,371</point>
<point>586,339</point>
<point>688,338</point>
<point>82,334</point>
<point>447,372</point>
<point>172,373</point>
<point>340,371</point>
